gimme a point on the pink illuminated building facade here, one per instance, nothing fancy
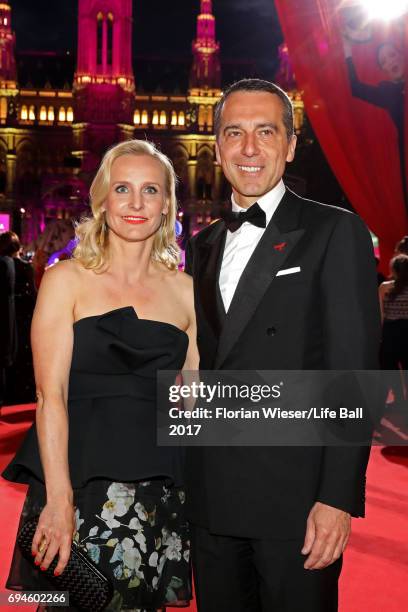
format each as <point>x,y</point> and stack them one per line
<point>59,114</point>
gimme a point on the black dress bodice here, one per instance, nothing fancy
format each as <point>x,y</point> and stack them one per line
<point>112,402</point>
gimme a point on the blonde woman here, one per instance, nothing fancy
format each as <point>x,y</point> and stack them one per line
<point>105,322</point>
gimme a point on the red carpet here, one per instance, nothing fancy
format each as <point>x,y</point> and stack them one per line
<point>375,574</point>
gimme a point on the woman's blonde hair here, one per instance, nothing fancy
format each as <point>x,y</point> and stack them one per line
<point>92,232</point>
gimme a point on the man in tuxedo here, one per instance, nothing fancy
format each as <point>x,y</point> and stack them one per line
<point>270,523</point>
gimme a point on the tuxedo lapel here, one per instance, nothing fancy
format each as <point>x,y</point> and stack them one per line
<point>210,258</point>
<point>278,241</point>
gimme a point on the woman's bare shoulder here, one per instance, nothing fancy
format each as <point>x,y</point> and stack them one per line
<point>184,279</point>
<point>63,278</point>
<point>385,287</point>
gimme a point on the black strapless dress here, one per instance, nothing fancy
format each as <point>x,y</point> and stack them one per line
<point>127,491</point>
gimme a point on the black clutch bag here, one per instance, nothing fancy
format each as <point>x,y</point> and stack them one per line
<point>88,588</point>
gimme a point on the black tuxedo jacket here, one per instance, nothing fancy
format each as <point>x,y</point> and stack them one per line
<point>324,317</point>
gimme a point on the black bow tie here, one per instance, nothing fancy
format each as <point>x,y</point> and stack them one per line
<point>254,215</point>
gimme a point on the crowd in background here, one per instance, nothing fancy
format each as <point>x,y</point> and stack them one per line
<point>19,280</point>
<point>17,300</point>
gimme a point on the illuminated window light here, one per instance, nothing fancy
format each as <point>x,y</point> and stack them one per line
<point>70,114</point>
<point>378,9</point>
<point>136,117</point>
<point>43,114</point>
<point>51,114</point>
<point>61,114</point>
<point>163,118</point>
<point>155,119</point>
<point>173,118</point>
<point>3,108</point>
<point>181,118</point>
<point>145,117</point>
<point>24,113</point>
<point>31,113</point>
<point>5,21</point>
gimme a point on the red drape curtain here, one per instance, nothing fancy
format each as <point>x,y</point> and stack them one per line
<point>360,139</point>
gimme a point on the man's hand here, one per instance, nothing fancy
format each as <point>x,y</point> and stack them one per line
<point>327,533</point>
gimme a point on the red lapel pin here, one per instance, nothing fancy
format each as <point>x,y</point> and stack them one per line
<point>280,246</point>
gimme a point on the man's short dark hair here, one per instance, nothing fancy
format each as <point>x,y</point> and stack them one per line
<point>257,85</point>
<point>9,244</point>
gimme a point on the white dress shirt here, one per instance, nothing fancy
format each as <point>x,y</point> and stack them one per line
<point>240,245</point>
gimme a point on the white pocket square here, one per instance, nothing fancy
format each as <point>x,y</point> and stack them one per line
<point>288,271</point>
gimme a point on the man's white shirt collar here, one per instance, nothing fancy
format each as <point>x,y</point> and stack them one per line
<point>268,202</point>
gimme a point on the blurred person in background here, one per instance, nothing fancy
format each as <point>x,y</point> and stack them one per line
<point>394,311</point>
<point>20,387</point>
<point>8,327</point>
<point>402,246</point>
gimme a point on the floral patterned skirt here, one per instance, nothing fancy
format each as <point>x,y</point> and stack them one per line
<point>137,535</point>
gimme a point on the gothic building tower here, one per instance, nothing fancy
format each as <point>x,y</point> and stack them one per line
<point>104,82</point>
<point>206,70</point>
<point>8,93</point>
<point>7,56</point>
<point>204,93</point>
<point>205,78</point>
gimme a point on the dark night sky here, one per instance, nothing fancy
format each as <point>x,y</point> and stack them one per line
<point>246,28</point>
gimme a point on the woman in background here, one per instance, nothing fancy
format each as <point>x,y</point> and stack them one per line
<point>104,323</point>
<point>394,312</point>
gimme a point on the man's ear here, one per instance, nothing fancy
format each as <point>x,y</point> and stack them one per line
<point>291,148</point>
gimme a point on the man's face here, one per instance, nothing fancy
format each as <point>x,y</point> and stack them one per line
<point>391,61</point>
<point>252,146</point>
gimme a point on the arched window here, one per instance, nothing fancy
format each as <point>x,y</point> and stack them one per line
<point>3,108</point>
<point>43,113</point>
<point>31,113</point>
<point>181,118</point>
<point>145,117</point>
<point>155,119</point>
<point>61,114</point>
<point>136,117</point>
<point>24,113</point>
<point>70,114</point>
<point>163,118</point>
<point>99,38</point>
<point>110,38</point>
<point>173,118</point>
<point>51,114</point>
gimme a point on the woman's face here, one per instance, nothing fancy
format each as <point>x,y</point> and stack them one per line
<point>136,198</point>
<point>391,61</point>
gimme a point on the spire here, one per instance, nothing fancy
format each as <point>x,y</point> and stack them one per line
<point>105,43</point>
<point>206,7</point>
<point>8,74</point>
<point>206,71</point>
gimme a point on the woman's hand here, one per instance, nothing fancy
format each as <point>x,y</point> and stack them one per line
<point>54,534</point>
